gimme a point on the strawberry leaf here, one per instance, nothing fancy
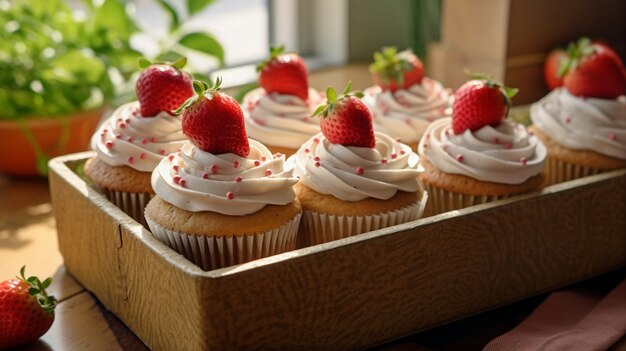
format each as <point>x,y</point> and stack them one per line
<point>331,94</point>
<point>275,51</point>
<point>143,63</point>
<point>332,99</point>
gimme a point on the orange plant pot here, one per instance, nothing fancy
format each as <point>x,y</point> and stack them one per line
<point>26,142</point>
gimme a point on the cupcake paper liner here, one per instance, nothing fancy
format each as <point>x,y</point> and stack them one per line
<point>212,252</point>
<point>319,227</point>
<point>443,201</point>
<point>133,204</point>
<point>557,171</point>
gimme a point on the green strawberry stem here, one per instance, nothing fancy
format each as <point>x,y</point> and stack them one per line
<point>332,99</point>
<point>275,51</point>
<point>145,63</point>
<point>201,88</point>
<point>575,52</point>
<point>38,290</point>
<point>391,65</point>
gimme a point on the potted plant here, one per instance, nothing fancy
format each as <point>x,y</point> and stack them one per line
<point>61,68</point>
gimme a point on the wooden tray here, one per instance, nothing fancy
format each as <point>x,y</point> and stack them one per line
<point>346,294</point>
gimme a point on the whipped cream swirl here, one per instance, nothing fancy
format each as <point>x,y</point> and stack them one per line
<point>195,180</point>
<point>505,154</point>
<point>127,138</point>
<point>352,173</point>
<point>281,120</point>
<point>406,113</point>
<point>583,124</point>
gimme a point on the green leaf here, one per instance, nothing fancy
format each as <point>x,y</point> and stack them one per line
<point>180,63</point>
<point>195,6</point>
<point>171,11</point>
<point>348,88</point>
<point>319,110</point>
<point>205,43</point>
<point>46,283</point>
<point>112,17</point>
<point>33,291</point>
<point>331,94</point>
<point>143,63</point>
<point>245,90</point>
<point>510,92</point>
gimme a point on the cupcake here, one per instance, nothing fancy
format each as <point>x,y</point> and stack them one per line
<point>404,102</point>
<point>477,156</point>
<point>353,180</point>
<point>223,199</point>
<point>583,123</point>
<point>137,136</point>
<point>279,113</point>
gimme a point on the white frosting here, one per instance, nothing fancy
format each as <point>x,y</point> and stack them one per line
<point>195,180</point>
<point>406,113</point>
<point>505,154</point>
<point>127,138</point>
<point>583,124</point>
<point>352,173</point>
<point>281,120</point>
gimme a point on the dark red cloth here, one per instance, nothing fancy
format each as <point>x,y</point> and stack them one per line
<point>569,320</point>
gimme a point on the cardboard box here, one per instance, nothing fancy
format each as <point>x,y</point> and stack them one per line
<point>511,38</point>
<point>347,294</point>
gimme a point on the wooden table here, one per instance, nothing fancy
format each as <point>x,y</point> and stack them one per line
<point>28,237</point>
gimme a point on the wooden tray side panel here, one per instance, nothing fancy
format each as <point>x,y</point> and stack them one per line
<point>163,306</point>
<point>353,296</point>
<point>88,238</point>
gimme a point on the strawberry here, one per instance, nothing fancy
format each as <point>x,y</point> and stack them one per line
<point>480,102</point>
<point>284,73</point>
<point>593,70</point>
<point>393,70</point>
<point>162,87</point>
<point>551,68</point>
<point>213,121</point>
<point>346,120</point>
<point>26,311</point>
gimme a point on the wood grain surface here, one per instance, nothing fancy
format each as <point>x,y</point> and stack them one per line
<point>354,292</point>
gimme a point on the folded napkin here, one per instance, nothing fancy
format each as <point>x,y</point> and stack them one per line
<point>569,320</point>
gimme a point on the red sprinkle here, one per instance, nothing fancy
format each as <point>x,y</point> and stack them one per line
<point>568,119</point>
<point>122,125</point>
<point>118,136</point>
<point>523,161</point>
<point>142,156</point>
<point>153,139</point>
<point>182,182</point>
<point>236,164</point>
<point>612,136</point>
<point>239,179</point>
<point>402,152</point>
<point>276,155</point>
<point>459,158</point>
<point>176,179</point>
<point>398,140</point>
<point>268,172</point>
<point>383,161</point>
<point>205,176</point>
<point>496,140</point>
<point>230,195</point>
<point>127,121</point>
<point>144,141</point>
<point>425,145</point>
<point>307,150</point>
<point>214,169</point>
<point>508,146</point>
<point>105,130</point>
<point>102,135</point>
<point>263,158</point>
<point>316,140</point>
<point>317,164</point>
<point>394,156</point>
<point>170,157</point>
<point>316,158</point>
<point>109,144</point>
<point>360,170</point>
<point>130,139</point>
<point>257,162</point>
<point>162,152</point>
<point>131,159</point>
<point>175,168</point>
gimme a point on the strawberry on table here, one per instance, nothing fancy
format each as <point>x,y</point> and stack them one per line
<point>393,70</point>
<point>480,102</point>
<point>213,121</point>
<point>162,87</point>
<point>284,73</point>
<point>26,310</point>
<point>593,70</point>
<point>346,120</point>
